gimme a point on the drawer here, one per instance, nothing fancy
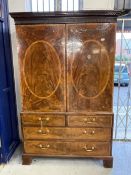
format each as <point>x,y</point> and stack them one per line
<point>89,148</point>
<point>101,134</point>
<point>42,119</point>
<point>45,148</point>
<point>95,121</point>
<point>67,148</point>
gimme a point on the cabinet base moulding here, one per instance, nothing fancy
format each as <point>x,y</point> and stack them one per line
<point>107,160</point>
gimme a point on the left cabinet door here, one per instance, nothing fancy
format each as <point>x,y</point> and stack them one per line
<point>41,50</point>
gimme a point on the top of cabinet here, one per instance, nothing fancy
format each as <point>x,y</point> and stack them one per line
<point>90,16</point>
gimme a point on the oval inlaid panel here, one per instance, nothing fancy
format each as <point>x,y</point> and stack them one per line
<point>42,69</point>
<point>91,69</point>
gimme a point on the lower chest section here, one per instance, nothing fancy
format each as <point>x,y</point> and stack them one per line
<point>70,135</point>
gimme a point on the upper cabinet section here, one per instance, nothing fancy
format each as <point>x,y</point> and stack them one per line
<point>41,51</point>
<point>66,60</point>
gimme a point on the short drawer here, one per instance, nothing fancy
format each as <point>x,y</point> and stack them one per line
<point>100,134</point>
<point>75,149</point>
<point>45,147</point>
<point>44,120</point>
<point>95,121</point>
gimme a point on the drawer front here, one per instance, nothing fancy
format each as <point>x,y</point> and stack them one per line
<point>44,147</point>
<point>44,120</point>
<point>95,121</point>
<point>101,134</point>
<point>67,148</point>
<point>89,148</point>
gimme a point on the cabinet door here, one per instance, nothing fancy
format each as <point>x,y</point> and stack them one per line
<point>41,51</point>
<point>90,61</point>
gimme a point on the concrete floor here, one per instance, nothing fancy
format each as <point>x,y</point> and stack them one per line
<point>49,166</point>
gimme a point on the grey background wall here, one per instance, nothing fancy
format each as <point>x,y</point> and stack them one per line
<point>95,4</point>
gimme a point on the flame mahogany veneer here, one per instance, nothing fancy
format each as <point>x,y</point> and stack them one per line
<point>66,66</point>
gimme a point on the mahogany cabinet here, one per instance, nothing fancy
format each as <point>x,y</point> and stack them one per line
<point>66,66</point>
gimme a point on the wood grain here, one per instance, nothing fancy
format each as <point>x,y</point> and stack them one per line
<point>101,134</point>
<point>42,119</point>
<point>42,66</point>
<point>90,60</point>
<point>67,148</point>
<point>91,120</point>
<point>41,69</point>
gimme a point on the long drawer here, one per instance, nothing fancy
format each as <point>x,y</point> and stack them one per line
<point>45,120</point>
<point>102,134</point>
<point>67,148</point>
<point>92,120</point>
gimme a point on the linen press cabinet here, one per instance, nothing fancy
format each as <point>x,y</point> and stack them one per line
<point>66,66</point>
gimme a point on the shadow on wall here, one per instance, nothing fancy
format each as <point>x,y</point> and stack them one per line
<point>16,69</point>
<point>16,6</point>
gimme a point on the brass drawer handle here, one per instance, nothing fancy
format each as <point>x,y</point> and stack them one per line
<point>44,146</point>
<point>91,133</point>
<point>91,121</point>
<point>89,150</point>
<point>46,132</point>
<point>44,119</point>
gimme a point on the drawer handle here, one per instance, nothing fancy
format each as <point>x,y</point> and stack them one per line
<point>44,119</point>
<point>44,146</point>
<point>89,150</point>
<point>91,133</point>
<point>91,121</point>
<point>40,131</point>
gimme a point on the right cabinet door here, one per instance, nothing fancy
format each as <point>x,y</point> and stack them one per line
<point>90,65</point>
